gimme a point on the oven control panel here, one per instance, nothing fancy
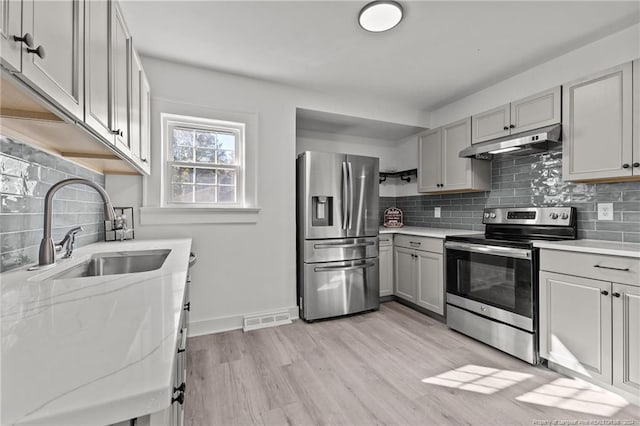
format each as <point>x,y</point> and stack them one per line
<point>555,216</point>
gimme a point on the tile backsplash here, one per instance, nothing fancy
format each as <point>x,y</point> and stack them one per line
<point>532,180</point>
<point>26,174</point>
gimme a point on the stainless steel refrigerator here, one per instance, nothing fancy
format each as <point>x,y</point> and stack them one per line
<point>337,227</point>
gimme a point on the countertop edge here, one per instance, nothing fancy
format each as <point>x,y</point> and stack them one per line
<point>610,248</point>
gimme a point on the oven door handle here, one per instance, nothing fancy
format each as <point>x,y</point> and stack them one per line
<point>490,250</point>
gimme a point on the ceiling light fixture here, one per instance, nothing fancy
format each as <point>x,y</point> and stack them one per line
<point>379,16</point>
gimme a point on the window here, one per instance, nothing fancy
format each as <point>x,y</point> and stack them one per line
<point>204,164</point>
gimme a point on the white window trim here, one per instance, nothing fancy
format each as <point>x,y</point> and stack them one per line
<point>172,121</point>
<point>155,212</point>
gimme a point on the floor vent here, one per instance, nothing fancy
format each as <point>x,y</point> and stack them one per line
<point>255,322</point>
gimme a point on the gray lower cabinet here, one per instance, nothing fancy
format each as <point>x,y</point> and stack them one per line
<point>385,244</point>
<point>597,126</point>
<point>590,324</point>
<point>532,112</point>
<point>575,324</point>
<point>418,267</point>
<point>10,27</point>
<point>440,168</point>
<point>55,63</point>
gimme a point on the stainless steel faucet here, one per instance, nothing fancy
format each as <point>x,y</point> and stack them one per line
<point>47,254</point>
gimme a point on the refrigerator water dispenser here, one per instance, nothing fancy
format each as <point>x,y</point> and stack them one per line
<point>322,210</point>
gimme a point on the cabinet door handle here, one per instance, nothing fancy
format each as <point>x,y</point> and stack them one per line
<point>37,51</point>
<point>612,268</point>
<point>636,164</point>
<point>117,132</point>
<point>144,160</point>
<point>179,399</point>
<point>505,128</point>
<point>615,294</point>
<point>512,126</point>
<point>179,388</point>
<point>625,166</point>
<point>183,343</point>
<point>604,292</point>
<point>187,306</point>
<point>27,39</point>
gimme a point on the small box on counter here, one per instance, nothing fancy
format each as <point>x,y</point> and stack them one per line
<point>122,227</point>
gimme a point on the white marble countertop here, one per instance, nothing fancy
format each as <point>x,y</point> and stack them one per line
<point>92,350</point>
<point>426,232</point>
<point>612,248</point>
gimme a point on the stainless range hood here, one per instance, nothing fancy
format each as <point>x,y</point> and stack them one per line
<point>529,142</point>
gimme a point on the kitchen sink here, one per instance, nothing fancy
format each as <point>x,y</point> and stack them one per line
<point>122,262</point>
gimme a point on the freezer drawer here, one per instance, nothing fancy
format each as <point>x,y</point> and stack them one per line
<point>340,249</point>
<point>340,288</point>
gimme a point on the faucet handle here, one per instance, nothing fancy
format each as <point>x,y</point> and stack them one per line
<point>70,240</point>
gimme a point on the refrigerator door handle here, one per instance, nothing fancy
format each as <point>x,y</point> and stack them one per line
<point>350,196</point>
<point>345,191</point>
<point>343,245</point>
<point>344,268</point>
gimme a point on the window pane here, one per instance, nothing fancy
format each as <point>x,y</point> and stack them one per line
<point>225,157</point>
<point>182,153</point>
<point>227,177</point>
<point>183,137</point>
<point>226,194</point>
<point>206,139</point>
<point>182,175</point>
<point>204,155</point>
<point>182,193</point>
<point>205,176</point>
<point>226,141</point>
<point>205,194</point>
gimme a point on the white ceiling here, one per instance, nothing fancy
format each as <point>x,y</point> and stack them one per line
<point>440,52</point>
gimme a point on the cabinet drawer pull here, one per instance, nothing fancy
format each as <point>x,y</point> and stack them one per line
<point>183,343</point>
<point>604,292</point>
<point>27,39</point>
<point>615,294</point>
<point>179,388</point>
<point>37,51</point>
<point>415,243</point>
<point>612,268</point>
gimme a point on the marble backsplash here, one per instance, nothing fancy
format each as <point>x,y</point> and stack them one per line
<point>26,174</point>
<point>524,181</point>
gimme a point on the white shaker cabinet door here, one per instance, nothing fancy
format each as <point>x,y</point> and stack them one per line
<point>55,64</point>
<point>636,117</point>
<point>99,100</point>
<point>10,27</point>
<point>626,337</point>
<point>430,161</point>
<point>386,270</point>
<point>597,126</point>
<point>404,266</point>
<point>145,123</point>
<point>490,124</point>
<point>135,102</point>
<point>456,171</point>
<point>539,110</point>
<point>430,282</point>
<point>120,45</point>
<point>575,324</point>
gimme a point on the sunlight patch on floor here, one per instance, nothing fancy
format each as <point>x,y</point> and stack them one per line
<point>475,378</point>
<point>576,395</point>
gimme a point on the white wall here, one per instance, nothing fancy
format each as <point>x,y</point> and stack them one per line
<point>248,268</point>
<point>610,51</point>
<point>386,151</point>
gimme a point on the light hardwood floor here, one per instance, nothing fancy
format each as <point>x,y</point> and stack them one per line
<point>394,366</point>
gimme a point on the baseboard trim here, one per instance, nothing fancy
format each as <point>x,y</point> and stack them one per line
<point>232,322</point>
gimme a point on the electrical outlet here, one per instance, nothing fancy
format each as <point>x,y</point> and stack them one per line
<point>605,211</point>
<point>436,212</point>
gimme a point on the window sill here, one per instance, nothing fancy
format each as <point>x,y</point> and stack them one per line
<point>197,215</point>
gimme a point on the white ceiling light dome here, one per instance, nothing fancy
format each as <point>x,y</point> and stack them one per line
<point>381,15</point>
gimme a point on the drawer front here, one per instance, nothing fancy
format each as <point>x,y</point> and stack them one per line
<point>434,245</point>
<point>624,270</point>
<point>385,240</point>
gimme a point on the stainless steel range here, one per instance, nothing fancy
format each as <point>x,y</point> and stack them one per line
<point>492,278</point>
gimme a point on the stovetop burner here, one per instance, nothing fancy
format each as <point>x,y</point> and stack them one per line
<point>520,226</point>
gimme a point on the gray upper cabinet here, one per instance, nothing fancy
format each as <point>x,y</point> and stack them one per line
<point>539,110</point>
<point>99,99</point>
<point>636,117</point>
<point>120,45</point>
<point>597,126</point>
<point>55,63</point>
<point>532,112</point>
<point>430,157</point>
<point>10,27</point>
<point>134,106</point>
<point>145,123</point>
<point>491,124</point>
<point>441,168</point>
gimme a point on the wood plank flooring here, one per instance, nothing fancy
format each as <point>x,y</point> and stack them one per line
<point>390,367</point>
